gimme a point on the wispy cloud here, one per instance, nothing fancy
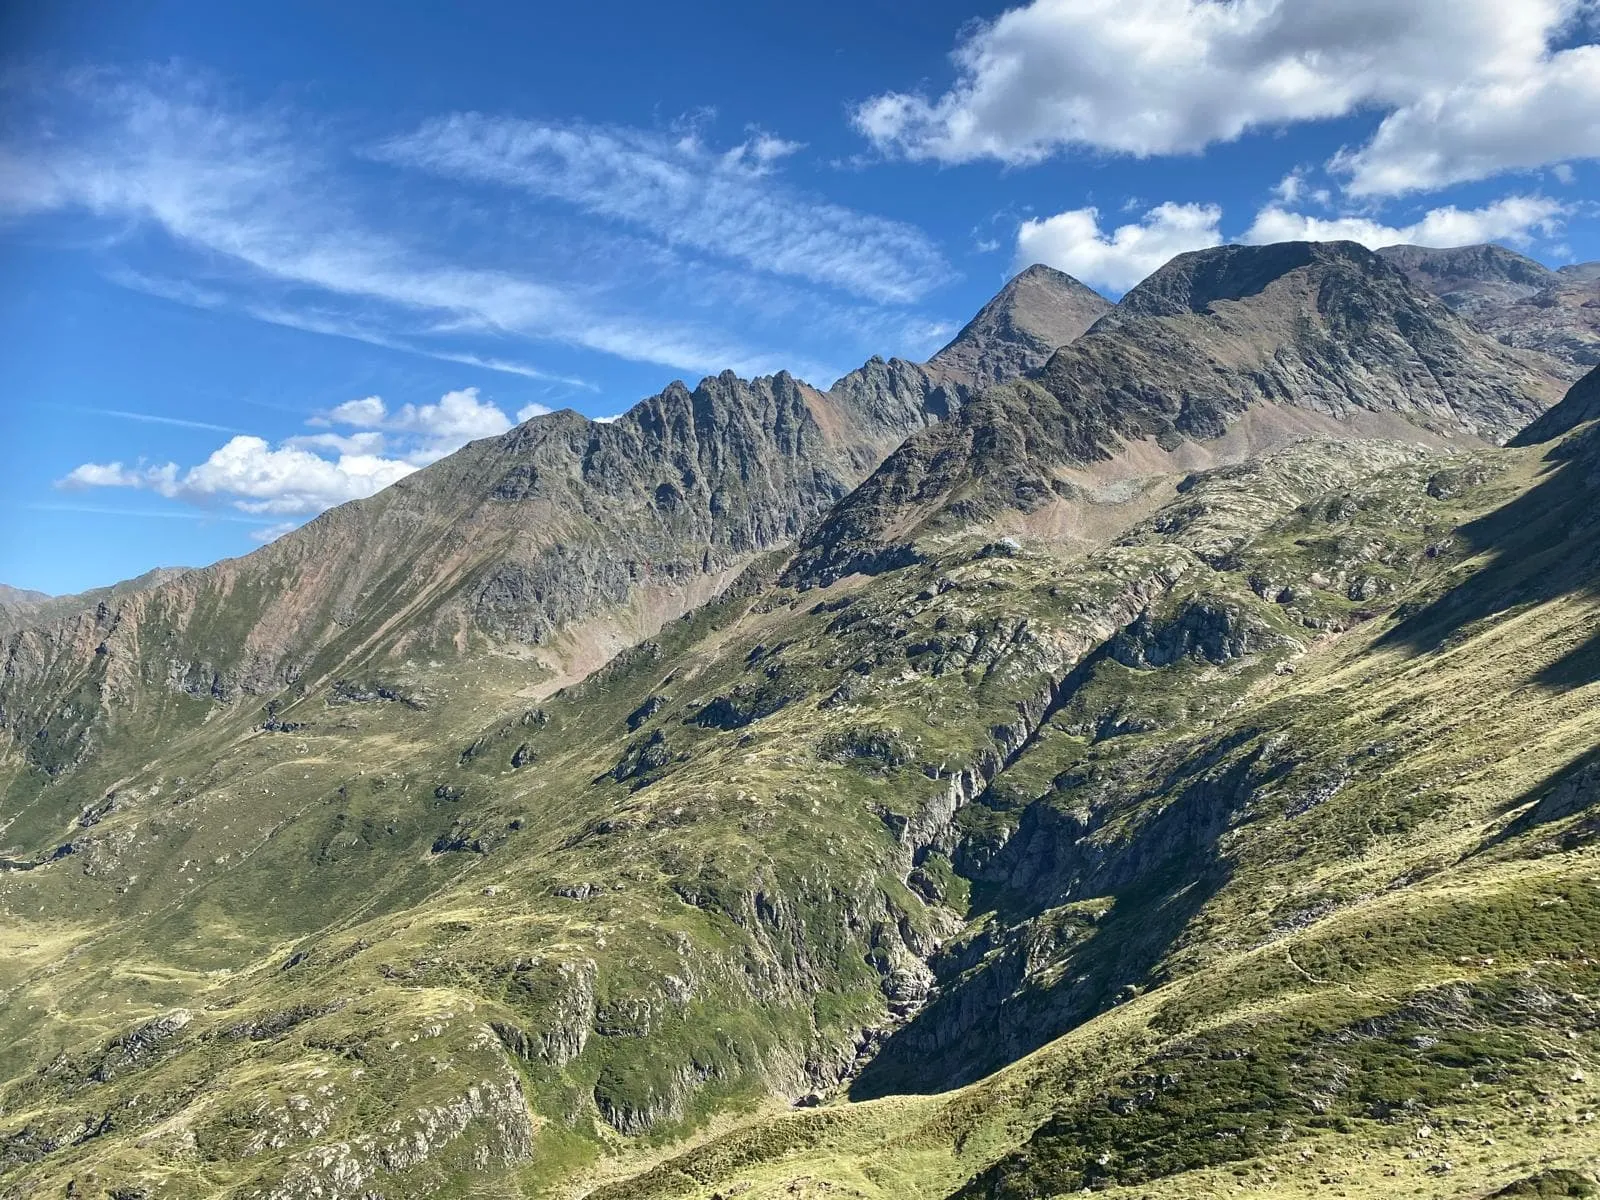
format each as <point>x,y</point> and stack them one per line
<point>183,291</point>
<point>161,514</point>
<point>147,418</point>
<point>720,202</point>
<point>277,225</point>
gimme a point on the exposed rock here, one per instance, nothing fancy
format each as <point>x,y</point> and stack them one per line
<point>1015,334</point>
<point>1521,302</point>
<point>1327,329</point>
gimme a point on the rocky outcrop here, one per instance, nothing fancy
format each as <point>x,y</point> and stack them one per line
<point>1329,334</point>
<point>1520,302</point>
<point>1326,327</point>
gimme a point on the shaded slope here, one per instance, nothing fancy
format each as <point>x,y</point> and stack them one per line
<point>1580,404</point>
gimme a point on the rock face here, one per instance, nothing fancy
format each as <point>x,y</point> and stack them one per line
<point>1034,315</point>
<point>1327,330</point>
<point>1521,302</point>
<point>1581,404</point>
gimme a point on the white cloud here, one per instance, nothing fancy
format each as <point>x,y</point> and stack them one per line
<point>528,411</point>
<point>1293,188</point>
<point>1542,111</point>
<point>1512,219</point>
<point>1074,242</point>
<point>254,477</point>
<point>370,442</point>
<point>260,479</point>
<point>271,533</point>
<point>308,473</point>
<point>459,417</point>
<point>1472,87</point>
<point>724,204</point>
<point>367,412</point>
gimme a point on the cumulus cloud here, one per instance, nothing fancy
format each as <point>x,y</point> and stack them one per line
<point>680,190</point>
<point>1513,219</point>
<point>1471,87</point>
<point>1294,187</point>
<point>254,477</point>
<point>1538,112</point>
<point>308,473</point>
<point>1117,259</point>
<point>459,417</point>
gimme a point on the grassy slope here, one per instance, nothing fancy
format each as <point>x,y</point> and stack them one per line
<point>364,916</point>
<point>1428,1026</point>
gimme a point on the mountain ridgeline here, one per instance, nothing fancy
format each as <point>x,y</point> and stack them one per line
<point>1520,302</point>
<point>1147,749</point>
<point>1260,343</point>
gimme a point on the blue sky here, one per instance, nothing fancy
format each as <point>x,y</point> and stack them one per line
<point>260,259</point>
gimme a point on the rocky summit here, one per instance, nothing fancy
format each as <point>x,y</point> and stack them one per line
<point>1015,334</point>
<point>1148,750</point>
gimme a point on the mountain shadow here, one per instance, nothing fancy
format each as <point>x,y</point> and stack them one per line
<point>1082,925</point>
<point>1543,545</point>
<point>1573,789</point>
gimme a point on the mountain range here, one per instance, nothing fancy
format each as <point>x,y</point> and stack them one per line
<point>1147,748</point>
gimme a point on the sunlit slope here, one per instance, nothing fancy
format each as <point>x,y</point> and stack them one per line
<point>1284,785</point>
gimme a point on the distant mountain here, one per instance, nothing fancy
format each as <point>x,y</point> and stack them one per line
<point>20,609</point>
<point>1263,343</point>
<point>514,539</point>
<point>11,597</point>
<point>1468,277</point>
<point>1038,312</point>
<point>1521,302</point>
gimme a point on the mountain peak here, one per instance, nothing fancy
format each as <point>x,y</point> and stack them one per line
<point>1461,274</point>
<point>1194,281</point>
<point>1039,310</point>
